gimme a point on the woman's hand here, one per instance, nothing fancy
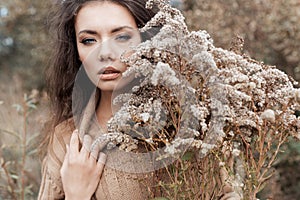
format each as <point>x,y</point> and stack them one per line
<point>81,171</point>
<point>228,191</point>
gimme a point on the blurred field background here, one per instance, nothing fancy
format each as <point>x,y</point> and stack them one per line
<point>271,33</point>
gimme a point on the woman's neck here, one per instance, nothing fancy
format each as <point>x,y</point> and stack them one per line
<point>104,110</point>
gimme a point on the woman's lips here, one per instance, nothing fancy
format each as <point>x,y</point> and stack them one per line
<point>111,76</point>
<point>109,73</point>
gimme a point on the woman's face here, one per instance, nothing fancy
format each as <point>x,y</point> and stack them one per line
<point>104,32</point>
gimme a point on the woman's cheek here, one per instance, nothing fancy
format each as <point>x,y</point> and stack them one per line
<point>82,56</point>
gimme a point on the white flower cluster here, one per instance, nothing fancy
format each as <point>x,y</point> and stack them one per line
<point>193,91</point>
<point>164,74</point>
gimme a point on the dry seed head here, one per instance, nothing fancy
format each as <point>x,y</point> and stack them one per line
<point>268,115</point>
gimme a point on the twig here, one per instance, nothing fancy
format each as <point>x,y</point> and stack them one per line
<point>9,181</point>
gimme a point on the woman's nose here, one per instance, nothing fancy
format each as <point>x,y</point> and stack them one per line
<point>106,52</point>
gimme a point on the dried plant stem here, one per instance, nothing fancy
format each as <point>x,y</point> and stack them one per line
<point>262,177</point>
<point>9,181</point>
<point>23,151</point>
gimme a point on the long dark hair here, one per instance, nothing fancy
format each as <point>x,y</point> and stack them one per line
<point>64,62</point>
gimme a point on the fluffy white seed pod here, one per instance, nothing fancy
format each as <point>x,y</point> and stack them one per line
<point>268,115</point>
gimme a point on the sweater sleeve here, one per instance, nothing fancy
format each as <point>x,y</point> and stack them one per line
<point>49,188</point>
<point>51,185</point>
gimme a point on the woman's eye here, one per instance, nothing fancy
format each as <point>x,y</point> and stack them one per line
<point>87,41</point>
<point>123,37</point>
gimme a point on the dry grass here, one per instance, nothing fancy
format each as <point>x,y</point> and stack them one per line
<point>20,124</point>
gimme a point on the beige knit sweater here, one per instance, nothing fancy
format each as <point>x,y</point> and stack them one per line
<point>114,184</point>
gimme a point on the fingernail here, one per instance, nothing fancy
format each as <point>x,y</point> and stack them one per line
<point>75,131</point>
<point>102,158</point>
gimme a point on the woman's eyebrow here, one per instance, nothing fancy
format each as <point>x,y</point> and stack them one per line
<point>88,31</point>
<point>112,31</point>
<point>121,28</point>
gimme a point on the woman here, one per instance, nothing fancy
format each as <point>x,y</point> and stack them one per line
<point>95,34</point>
<point>85,30</point>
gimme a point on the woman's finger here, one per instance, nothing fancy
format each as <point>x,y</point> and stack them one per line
<point>224,175</point>
<point>101,162</point>
<point>225,178</point>
<point>102,158</point>
<point>95,151</point>
<point>86,145</point>
<point>97,147</point>
<point>67,152</point>
<point>103,144</point>
<point>74,142</point>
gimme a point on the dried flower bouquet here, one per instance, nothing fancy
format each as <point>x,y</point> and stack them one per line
<point>209,108</point>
